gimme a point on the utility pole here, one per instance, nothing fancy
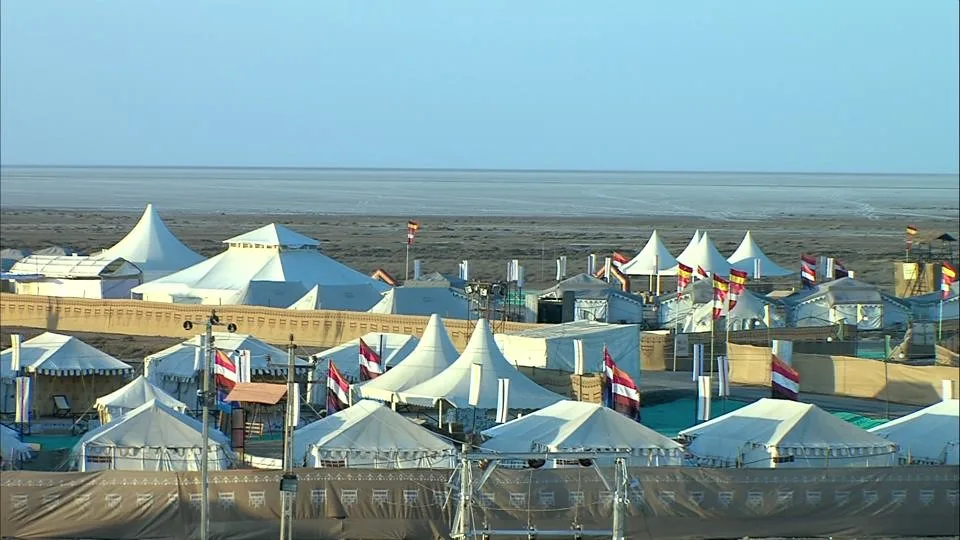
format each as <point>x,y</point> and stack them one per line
<point>288,496</point>
<point>207,397</point>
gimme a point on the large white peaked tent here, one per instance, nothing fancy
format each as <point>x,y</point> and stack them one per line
<point>654,259</point>
<point>453,384</point>
<point>575,426</point>
<point>152,437</point>
<point>136,393</point>
<point>750,258</point>
<point>928,436</point>
<point>370,435</point>
<point>433,354</point>
<point>777,433</point>
<point>706,255</point>
<point>270,266</point>
<point>694,242</point>
<point>153,248</point>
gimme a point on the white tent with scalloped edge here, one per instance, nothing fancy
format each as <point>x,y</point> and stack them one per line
<point>654,259</point>
<point>749,258</point>
<point>153,248</point>
<point>928,436</point>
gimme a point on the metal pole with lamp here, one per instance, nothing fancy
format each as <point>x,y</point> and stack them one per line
<point>288,482</point>
<point>207,397</point>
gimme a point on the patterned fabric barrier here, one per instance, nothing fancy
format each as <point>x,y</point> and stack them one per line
<point>372,504</point>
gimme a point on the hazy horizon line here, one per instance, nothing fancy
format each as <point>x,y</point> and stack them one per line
<point>469,170</point>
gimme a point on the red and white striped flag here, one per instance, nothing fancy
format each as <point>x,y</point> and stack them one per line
<point>371,365</point>
<point>226,376</point>
<point>620,258</point>
<point>684,276</point>
<point>808,271</point>
<point>412,228</point>
<point>338,389</point>
<point>623,394</point>
<point>948,276</point>
<point>738,284</point>
<point>701,273</point>
<point>721,291</point>
<point>784,380</point>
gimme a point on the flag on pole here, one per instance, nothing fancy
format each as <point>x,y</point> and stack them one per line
<point>226,376</point>
<point>623,394</point>
<point>684,276</point>
<point>721,290</point>
<point>412,228</point>
<point>503,400</point>
<point>701,273</point>
<point>948,276</point>
<point>738,284</point>
<point>371,364</point>
<point>784,380</point>
<point>911,232</point>
<point>808,271</point>
<point>620,258</point>
<point>338,389</point>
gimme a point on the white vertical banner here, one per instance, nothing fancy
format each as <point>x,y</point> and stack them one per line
<point>704,392</point>
<point>244,370</point>
<point>756,268</point>
<point>199,353</point>
<point>521,277</point>
<point>476,373</point>
<point>503,400</point>
<point>24,389</point>
<point>294,402</point>
<point>311,384</point>
<point>15,341</point>
<point>829,269</point>
<point>579,360</point>
<point>724,366</point>
<point>592,264</point>
<point>607,269</point>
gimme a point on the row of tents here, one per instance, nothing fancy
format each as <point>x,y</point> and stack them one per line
<point>654,259</point>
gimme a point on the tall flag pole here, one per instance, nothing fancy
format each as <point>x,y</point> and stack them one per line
<point>808,271</point>
<point>911,232</point>
<point>371,363</point>
<point>738,286</point>
<point>948,276</point>
<point>624,394</point>
<point>412,228</point>
<point>684,279</point>
<point>338,389</point>
<point>721,293</point>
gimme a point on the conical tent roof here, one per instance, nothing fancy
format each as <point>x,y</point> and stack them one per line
<point>453,383</point>
<point>706,255</point>
<point>274,235</point>
<point>367,426</point>
<point>930,435</point>
<point>153,248</point>
<point>653,259</point>
<point>748,254</point>
<point>136,393</point>
<point>685,254</point>
<point>433,354</point>
<point>60,355</point>
<point>576,426</point>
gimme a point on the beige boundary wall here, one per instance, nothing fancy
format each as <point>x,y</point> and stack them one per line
<point>320,328</point>
<point>846,375</point>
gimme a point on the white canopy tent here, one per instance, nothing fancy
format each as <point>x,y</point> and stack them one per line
<point>447,302</point>
<point>575,426</point>
<point>705,255</point>
<point>178,370</point>
<point>134,394</point>
<point>272,266</point>
<point>151,246</point>
<point>392,349</point>
<point>777,433</point>
<point>12,449</point>
<point>433,354</point>
<point>370,435</point>
<point>749,258</point>
<point>654,259</point>
<point>61,365</point>
<point>751,311</point>
<point>691,245</point>
<point>152,437</point>
<point>452,385</point>
<point>552,346</point>
<point>928,436</point>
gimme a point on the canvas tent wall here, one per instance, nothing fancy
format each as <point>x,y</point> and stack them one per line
<point>153,248</point>
<point>574,426</point>
<point>152,437</point>
<point>447,302</point>
<point>392,348</point>
<point>62,365</point>
<point>928,436</point>
<point>75,276</point>
<point>178,370</point>
<point>137,392</point>
<point>272,266</point>
<point>552,347</point>
<point>777,433</point>
<point>433,354</point>
<point>847,300</point>
<point>370,435</point>
<point>609,306</point>
<point>750,258</point>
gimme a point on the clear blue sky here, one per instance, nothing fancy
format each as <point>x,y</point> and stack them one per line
<point>765,85</point>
